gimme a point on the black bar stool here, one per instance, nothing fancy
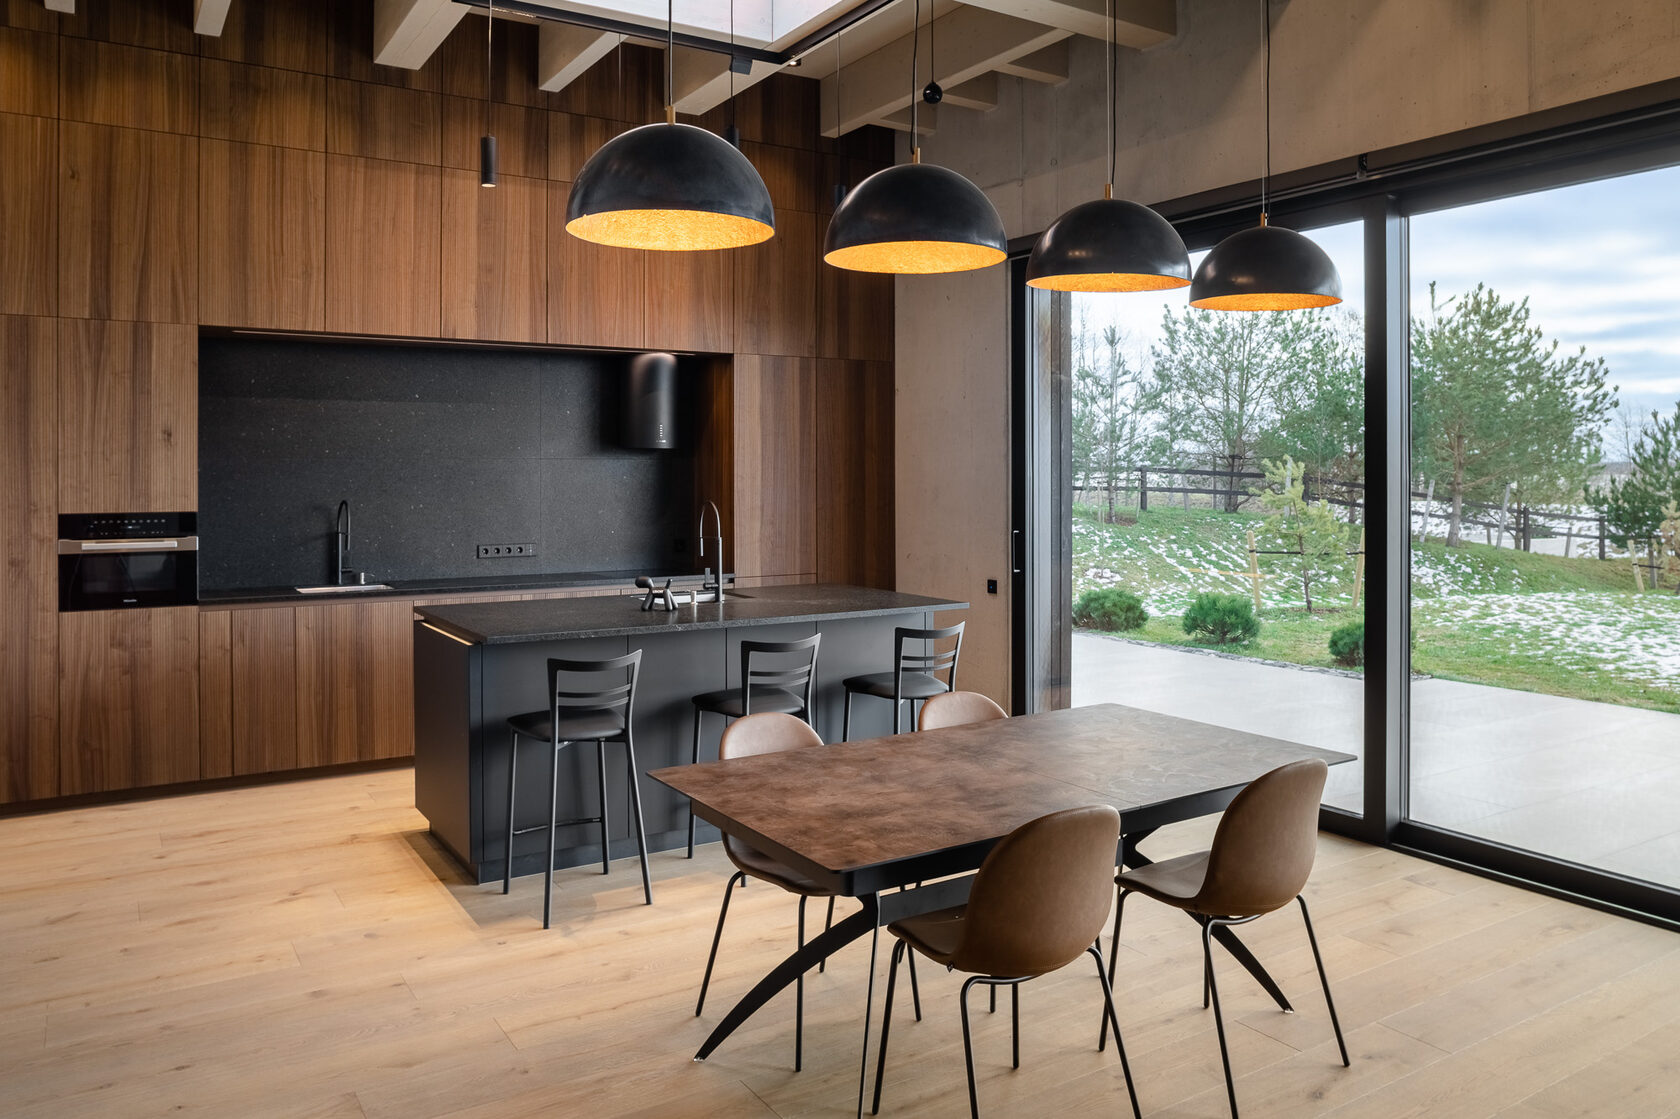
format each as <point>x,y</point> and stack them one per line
<point>782,683</point>
<point>915,676</point>
<point>600,716</point>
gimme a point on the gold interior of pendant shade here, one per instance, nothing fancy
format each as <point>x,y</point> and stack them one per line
<point>1109,281</point>
<point>1266,301</point>
<point>915,257</point>
<point>669,230</point>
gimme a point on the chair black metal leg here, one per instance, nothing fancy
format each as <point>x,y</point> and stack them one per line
<point>1207,978</point>
<point>1218,1018</point>
<point>886,1022</point>
<point>1323,980</point>
<point>915,988</point>
<point>706,981</point>
<point>1109,1016</point>
<point>846,720</point>
<point>992,992</point>
<point>513,761</point>
<point>871,911</point>
<point>1015,1024</point>
<point>968,1049</point>
<point>636,811</point>
<point>799,999</point>
<point>601,771</point>
<point>693,759</point>
<point>828,923</point>
<point>898,713</point>
<point>1113,956</point>
<point>553,810</point>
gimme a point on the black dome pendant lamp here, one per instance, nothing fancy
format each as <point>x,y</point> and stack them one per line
<point>1266,268</point>
<point>670,187</point>
<point>1109,244</point>
<point>915,219</point>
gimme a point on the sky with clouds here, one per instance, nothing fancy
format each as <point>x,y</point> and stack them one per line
<point>1599,263</point>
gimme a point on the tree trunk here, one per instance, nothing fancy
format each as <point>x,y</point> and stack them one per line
<point>1455,518</point>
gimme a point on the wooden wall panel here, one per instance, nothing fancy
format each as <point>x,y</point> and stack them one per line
<point>776,290</point>
<point>355,697</point>
<point>28,591</point>
<point>596,294</point>
<point>382,247</point>
<point>521,137</point>
<point>495,269</point>
<point>127,699</point>
<point>691,300</point>
<point>127,416</point>
<point>215,693</point>
<point>28,215</point>
<point>128,213</point>
<point>791,174</point>
<point>854,472</point>
<point>854,314</point>
<point>288,36</point>
<point>264,689</point>
<point>572,139</point>
<point>262,105</point>
<point>513,65</point>
<point>775,466</point>
<point>262,242</point>
<point>28,72</point>
<point>163,25</point>
<point>106,83</point>
<point>383,122</point>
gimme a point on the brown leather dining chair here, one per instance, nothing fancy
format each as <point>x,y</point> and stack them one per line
<point>1261,856</point>
<point>1037,904</point>
<point>767,733</point>
<point>956,709</point>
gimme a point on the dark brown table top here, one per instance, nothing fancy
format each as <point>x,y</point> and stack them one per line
<point>839,811</point>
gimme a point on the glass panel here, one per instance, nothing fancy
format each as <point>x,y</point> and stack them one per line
<point>1546,691</point>
<point>1218,453</point>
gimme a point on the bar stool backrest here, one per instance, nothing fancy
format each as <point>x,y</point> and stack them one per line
<point>930,660</point>
<point>567,694</point>
<point>789,665</point>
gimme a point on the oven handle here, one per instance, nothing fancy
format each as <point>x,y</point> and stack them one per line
<point>78,547</point>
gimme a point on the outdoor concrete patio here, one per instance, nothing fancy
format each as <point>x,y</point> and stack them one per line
<point>1592,783</point>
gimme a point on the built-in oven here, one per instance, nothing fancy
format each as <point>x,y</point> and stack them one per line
<point>112,561</point>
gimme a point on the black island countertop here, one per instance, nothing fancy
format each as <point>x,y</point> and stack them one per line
<point>507,623</point>
<point>421,588</point>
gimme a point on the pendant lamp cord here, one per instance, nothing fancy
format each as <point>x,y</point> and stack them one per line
<point>670,62</point>
<point>489,30</point>
<point>1111,56</point>
<point>915,72</point>
<point>1266,39</point>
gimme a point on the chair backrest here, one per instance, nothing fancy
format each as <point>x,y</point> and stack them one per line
<point>566,693</point>
<point>790,665</point>
<point>928,657</point>
<point>1263,849</point>
<point>1042,895</point>
<point>955,709</point>
<point>769,732</point>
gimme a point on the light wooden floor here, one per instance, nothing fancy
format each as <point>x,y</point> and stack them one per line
<point>292,950</point>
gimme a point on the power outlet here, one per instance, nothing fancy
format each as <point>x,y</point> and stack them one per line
<point>505,551</point>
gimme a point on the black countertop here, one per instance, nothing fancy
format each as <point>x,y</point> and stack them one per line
<point>412,588</point>
<point>504,623</point>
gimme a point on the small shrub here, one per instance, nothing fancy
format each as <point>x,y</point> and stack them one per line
<point>1347,644</point>
<point>1109,608</point>
<point>1224,619</point>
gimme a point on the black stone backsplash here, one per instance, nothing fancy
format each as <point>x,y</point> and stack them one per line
<point>438,450</point>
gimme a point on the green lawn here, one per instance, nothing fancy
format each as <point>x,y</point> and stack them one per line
<point>1502,617</point>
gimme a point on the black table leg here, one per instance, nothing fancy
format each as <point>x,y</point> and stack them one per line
<point>1132,858</point>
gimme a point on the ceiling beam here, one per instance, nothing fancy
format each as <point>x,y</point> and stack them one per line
<point>979,94</point>
<point>972,42</point>
<point>408,32</point>
<point>702,80</point>
<point>927,120</point>
<point>209,16</point>
<point>1049,65</point>
<point>1141,23</point>
<point>68,7</point>
<point>565,51</point>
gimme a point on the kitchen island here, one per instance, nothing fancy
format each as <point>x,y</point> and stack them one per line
<point>477,664</point>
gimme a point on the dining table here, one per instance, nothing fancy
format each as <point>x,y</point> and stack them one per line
<point>901,823</point>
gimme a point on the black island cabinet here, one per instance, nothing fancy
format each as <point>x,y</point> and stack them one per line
<point>475,665</point>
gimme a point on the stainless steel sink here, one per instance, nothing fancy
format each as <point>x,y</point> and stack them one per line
<point>350,589</point>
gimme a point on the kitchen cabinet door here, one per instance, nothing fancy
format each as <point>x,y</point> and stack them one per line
<point>355,682</point>
<point>127,699</point>
<point>264,685</point>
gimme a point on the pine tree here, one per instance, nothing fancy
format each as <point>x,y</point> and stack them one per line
<point>1312,530</point>
<point>1633,506</point>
